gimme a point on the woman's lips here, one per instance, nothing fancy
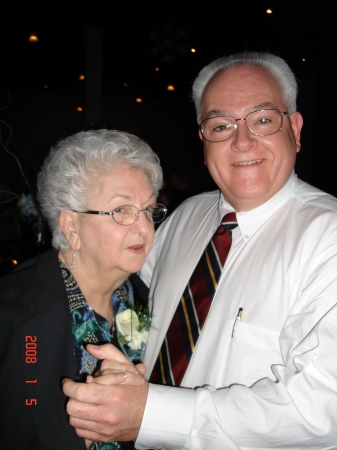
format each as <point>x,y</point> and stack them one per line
<point>138,249</point>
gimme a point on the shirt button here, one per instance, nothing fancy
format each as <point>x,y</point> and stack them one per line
<point>246,237</point>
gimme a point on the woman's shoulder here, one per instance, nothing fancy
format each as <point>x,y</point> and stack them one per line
<point>13,285</point>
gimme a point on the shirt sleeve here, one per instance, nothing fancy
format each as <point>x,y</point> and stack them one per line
<point>169,413</point>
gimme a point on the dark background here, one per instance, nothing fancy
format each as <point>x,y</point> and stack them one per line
<point>117,47</point>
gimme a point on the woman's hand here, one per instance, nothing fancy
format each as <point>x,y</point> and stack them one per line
<point>115,367</point>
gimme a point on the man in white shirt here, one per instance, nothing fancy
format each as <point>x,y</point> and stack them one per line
<point>263,372</point>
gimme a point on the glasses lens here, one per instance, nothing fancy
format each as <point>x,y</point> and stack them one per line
<point>265,122</point>
<point>217,129</point>
<point>156,213</point>
<point>125,215</point>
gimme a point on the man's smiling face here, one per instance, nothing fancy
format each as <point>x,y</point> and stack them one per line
<point>249,169</point>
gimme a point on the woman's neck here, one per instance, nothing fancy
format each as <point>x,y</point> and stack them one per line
<point>97,287</point>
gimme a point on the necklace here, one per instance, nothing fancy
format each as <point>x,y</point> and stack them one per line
<point>99,326</point>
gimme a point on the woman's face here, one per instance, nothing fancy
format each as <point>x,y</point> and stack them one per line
<point>107,247</point>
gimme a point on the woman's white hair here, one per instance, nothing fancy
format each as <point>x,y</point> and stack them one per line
<point>75,165</point>
<point>275,65</point>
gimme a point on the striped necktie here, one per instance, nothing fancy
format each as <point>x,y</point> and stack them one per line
<point>192,310</point>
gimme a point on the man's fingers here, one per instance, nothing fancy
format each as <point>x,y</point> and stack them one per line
<point>113,376</point>
<point>90,430</point>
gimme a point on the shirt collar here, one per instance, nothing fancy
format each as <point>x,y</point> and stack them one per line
<point>250,221</point>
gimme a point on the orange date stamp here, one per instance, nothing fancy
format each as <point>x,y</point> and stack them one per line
<point>31,358</point>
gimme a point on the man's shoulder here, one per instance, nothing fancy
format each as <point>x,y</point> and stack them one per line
<point>200,201</point>
<point>190,211</point>
<point>207,196</point>
<point>310,195</point>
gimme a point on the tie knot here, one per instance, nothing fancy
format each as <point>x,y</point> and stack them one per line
<point>229,218</point>
<point>228,223</point>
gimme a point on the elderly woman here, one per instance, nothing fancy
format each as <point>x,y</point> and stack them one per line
<point>98,191</point>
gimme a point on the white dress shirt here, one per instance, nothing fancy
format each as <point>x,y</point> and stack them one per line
<point>274,383</point>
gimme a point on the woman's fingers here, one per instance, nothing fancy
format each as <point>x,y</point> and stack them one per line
<point>114,376</point>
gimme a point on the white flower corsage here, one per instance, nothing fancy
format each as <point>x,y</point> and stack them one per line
<point>133,325</point>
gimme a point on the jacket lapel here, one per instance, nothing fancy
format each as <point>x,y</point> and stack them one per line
<point>49,328</point>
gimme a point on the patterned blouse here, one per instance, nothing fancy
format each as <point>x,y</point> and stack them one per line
<point>88,327</point>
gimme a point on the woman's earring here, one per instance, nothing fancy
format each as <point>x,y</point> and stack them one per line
<point>72,265</point>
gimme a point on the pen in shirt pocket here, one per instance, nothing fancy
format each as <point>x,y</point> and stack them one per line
<point>238,318</point>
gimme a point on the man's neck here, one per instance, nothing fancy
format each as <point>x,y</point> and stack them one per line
<point>244,205</point>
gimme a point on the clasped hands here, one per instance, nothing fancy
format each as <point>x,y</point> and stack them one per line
<point>110,406</point>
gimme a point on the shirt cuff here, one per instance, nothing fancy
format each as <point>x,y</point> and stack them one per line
<point>168,417</point>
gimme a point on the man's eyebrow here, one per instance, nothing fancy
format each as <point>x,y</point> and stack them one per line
<point>265,105</point>
<point>222,112</point>
<point>215,113</point>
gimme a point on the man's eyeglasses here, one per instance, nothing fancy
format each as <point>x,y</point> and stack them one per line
<point>261,123</point>
<point>128,214</point>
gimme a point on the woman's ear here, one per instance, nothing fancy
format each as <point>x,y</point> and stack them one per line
<point>68,221</point>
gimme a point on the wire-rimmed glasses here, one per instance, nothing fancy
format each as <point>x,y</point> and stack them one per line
<point>261,123</point>
<point>128,214</point>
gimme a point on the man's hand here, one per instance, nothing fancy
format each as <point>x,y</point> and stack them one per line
<point>102,410</point>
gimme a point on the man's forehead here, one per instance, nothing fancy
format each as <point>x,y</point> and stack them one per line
<point>241,70</point>
<point>249,85</point>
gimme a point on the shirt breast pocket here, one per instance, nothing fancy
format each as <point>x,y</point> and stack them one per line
<point>253,352</point>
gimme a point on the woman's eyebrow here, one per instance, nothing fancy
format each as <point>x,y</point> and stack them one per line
<point>128,198</point>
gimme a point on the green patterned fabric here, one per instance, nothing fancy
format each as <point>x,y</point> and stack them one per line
<point>91,328</point>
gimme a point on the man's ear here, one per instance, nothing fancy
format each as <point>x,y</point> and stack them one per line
<point>297,124</point>
<point>202,140</point>
<point>68,221</point>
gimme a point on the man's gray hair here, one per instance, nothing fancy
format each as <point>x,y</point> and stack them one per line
<point>76,164</point>
<point>275,65</point>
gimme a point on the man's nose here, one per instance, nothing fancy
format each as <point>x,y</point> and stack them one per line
<point>243,139</point>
